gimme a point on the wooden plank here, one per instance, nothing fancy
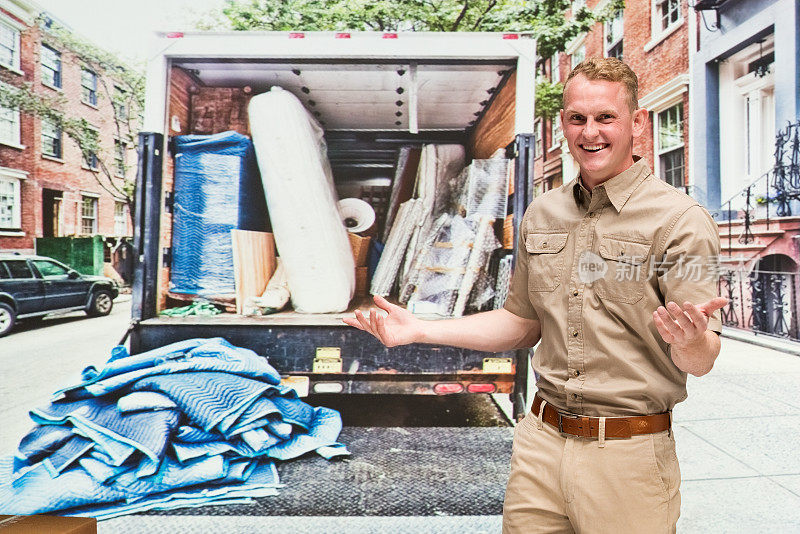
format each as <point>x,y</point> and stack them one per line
<point>496,128</point>
<point>253,263</point>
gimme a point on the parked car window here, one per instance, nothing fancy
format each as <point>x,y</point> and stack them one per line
<point>49,269</point>
<point>19,269</point>
<point>3,271</point>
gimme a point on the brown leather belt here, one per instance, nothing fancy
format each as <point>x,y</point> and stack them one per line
<point>589,427</point>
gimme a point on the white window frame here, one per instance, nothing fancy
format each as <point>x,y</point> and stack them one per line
<point>657,33</point>
<point>555,132</point>
<point>660,99</point>
<point>96,198</point>
<point>92,90</point>
<point>15,177</point>
<point>555,71</point>
<point>15,139</point>
<point>607,26</point>
<point>658,150</point>
<point>582,49</point>
<point>120,220</point>
<point>60,155</point>
<point>17,30</point>
<point>57,86</point>
<point>120,158</point>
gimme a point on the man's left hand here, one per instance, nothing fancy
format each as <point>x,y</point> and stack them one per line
<point>682,327</point>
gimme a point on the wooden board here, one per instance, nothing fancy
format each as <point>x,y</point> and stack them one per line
<point>497,126</point>
<point>253,263</point>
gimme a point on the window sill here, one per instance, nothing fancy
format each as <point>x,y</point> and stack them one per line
<point>93,106</point>
<point>12,233</point>
<point>12,69</point>
<point>90,169</point>
<point>657,39</point>
<point>12,145</point>
<point>52,158</point>
<point>53,87</point>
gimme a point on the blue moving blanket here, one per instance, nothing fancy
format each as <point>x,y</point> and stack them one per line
<point>193,423</point>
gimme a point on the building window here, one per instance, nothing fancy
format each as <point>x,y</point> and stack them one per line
<point>51,139</point>
<point>9,46</point>
<point>9,203</point>
<point>614,34</point>
<point>120,223</point>
<point>51,67</point>
<point>119,158</point>
<point>537,147</point>
<point>90,160</point>
<point>578,55</point>
<point>9,126</point>
<point>668,12</point>
<point>120,103</point>
<point>88,87</point>
<point>555,131</point>
<point>88,215</point>
<point>555,71</point>
<point>670,145</point>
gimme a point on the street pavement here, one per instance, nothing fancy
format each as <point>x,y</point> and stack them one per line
<point>737,436</point>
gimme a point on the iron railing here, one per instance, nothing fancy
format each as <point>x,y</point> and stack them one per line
<point>776,189</point>
<point>765,302</point>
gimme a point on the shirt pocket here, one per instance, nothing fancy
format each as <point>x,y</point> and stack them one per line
<point>545,259</point>
<point>627,269</point>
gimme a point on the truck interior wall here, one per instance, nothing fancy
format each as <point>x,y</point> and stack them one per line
<point>179,111</point>
<point>496,128</point>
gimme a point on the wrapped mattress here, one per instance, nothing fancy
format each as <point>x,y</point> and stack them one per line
<point>311,238</point>
<point>217,189</point>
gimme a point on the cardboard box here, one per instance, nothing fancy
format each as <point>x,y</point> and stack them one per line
<point>362,285</point>
<point>360,246</point>
<point>50,524</point>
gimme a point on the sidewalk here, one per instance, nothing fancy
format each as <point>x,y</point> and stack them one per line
<point>738,437</point>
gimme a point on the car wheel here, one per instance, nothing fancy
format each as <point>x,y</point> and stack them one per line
<point>7,318</point>
<point>101,303</point>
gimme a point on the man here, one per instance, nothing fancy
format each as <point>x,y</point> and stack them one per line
<point>615,277</point>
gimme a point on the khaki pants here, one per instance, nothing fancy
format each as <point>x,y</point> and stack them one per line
<point>561,483</point>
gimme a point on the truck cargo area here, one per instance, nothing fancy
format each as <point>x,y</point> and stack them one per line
<point>372,96</point>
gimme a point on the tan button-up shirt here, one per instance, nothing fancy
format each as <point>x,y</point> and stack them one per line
<point>592,268</point>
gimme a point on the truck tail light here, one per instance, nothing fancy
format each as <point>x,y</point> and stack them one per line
<point>390,36</point>
<point>297,35</point>
<point>510,36</point>
<point>174,35</point>
<point>343,36</point>
<point>444,389</point>
<point>481,388</point>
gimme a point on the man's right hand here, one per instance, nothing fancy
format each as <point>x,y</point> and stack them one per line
<point>397,326</point>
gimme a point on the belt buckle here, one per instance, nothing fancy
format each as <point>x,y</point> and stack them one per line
<point>562,416</point>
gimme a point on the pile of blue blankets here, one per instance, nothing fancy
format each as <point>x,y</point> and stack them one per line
<point>193,423</point>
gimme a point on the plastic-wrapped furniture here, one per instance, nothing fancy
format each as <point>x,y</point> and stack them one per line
<point>298,184</point>
<point>217,189</point>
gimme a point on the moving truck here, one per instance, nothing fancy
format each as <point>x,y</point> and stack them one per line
<point>373,93</point>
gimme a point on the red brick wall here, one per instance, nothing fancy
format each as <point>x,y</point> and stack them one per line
<point>67,174</point>
<point>654,67</point>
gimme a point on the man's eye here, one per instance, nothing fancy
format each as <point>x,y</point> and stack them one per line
<point>576,118</point>
<point>605,117</point>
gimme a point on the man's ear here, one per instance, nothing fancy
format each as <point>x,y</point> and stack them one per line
<point>639,122</point>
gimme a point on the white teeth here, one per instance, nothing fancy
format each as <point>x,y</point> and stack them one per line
<point>593,148</point>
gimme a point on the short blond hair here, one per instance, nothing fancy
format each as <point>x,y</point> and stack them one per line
<point>612,70</point>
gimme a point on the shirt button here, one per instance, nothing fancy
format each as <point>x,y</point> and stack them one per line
<point>574,333</point>
<point>590,214</point>
<point>574,292</point>
<point>574,396</point>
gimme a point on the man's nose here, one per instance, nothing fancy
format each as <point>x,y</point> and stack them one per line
<point>590,128</point>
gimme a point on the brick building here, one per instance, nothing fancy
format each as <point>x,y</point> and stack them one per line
<point>653,37</point>
<point>47,188</point>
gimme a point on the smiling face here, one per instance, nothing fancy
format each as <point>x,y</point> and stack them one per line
<point>600,127</point>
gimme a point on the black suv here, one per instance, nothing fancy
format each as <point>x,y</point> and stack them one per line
<point>33,286</point>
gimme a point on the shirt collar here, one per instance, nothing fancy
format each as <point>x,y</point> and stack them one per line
<point>619,188</point>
